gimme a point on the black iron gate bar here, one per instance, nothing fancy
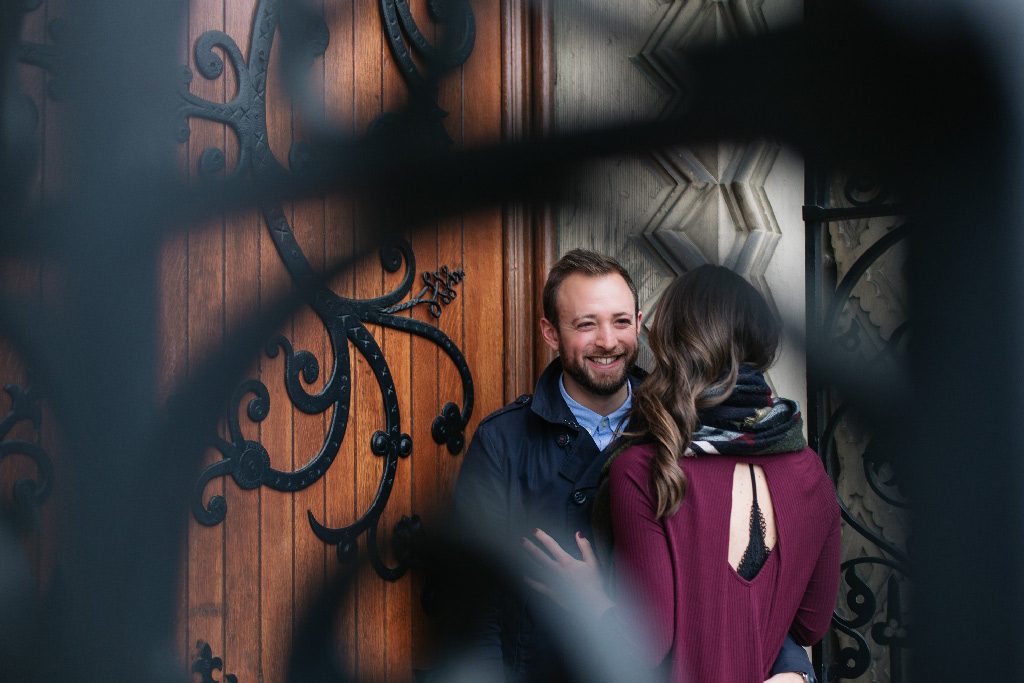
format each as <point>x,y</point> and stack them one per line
<point>815,213</point>
<point>825,301</point>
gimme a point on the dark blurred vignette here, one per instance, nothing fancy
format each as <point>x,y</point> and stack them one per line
<point>103,444</point>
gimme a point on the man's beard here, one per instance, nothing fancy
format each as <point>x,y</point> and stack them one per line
<point>608,386</point>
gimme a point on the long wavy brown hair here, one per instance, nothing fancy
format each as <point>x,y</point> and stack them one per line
<point>707,322</point>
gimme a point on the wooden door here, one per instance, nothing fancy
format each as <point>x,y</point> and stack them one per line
<point>330,470</point>
<point>344,437</point>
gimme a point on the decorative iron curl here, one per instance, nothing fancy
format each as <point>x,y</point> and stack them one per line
<point>891,632</point>
<point>876,453</point>
<point>861,603</point>
<point>851,662</point>
<point>440,285</point>
<point>459,35</point>
<point>344,319</point>
<point>857,271</point>
<point>826,444</point>
<point>47,56</point>
<point>390,443</point>
<point>456,44</point>
<point>205,664</point>
<point>22,112</point>
<point>863,190</point>
<point>29,494</point>
<point>874,458</point>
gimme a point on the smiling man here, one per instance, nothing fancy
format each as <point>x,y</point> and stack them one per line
<point>592,319</point>
<point>535,464</point>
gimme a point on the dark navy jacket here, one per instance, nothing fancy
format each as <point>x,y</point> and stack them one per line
<point>529,466</point>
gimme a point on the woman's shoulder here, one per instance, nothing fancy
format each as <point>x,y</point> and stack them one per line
<point>630,457</point>
<point>636,451</point>
<point>808,460</point>
<point>803,462</point>
<point>805,472</point>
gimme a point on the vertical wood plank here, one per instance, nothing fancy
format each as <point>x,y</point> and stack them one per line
<point>340,480</point>
<point>205,332</point>
<point>242,643</point>
<point>310,334</point>
<point>172,328</point>
<point>450,253</point>
<point>424,463</point>
<point>242,526</point>
<point>172,288</point>
<point>545,236</point>
<point>21,281</point>
<point>371,645</point>
<point>13,371</point>
<point>519,218</point>
<point>173,284</point>
<point>426,405</point>
<point>277,541</point>
<point>396,620</point>
<point>483,303</point>
<point>371,650</point>
<point>52,171</point>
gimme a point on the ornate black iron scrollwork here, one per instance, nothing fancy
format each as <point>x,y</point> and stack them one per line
<point>47,56</point>
<point>344,319</point>
<point>863,190</point>
<point>872,579</point>
<point>23,136</point>
<point>454,48</point>
<point>440,285</point>
<point>877,460</point>
<point>28,493</point>
<point>890,632</point>
<point>857,271</point>
<point>455,16</point>
<point>23,117</point>
<point>853,661</point>
<point>205,664</point>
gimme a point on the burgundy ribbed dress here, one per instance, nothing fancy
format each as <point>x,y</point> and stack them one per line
<point>706,623</point>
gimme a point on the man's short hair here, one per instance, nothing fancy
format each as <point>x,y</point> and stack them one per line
<point>584,262</point>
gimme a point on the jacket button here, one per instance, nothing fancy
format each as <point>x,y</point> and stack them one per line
<point>523,400</point>
<point>579,497</point>
<point>563,440</point>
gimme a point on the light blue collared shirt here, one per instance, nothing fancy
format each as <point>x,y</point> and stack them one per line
<point>602,428</point>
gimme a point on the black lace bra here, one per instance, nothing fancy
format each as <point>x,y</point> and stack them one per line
<point>757,552</point>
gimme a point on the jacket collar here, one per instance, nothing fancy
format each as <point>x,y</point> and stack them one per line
<point>548,403</point>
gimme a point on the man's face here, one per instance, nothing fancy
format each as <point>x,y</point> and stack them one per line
<point>597,332</point>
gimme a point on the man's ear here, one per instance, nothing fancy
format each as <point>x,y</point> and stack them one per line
<point>639,319</point>
<point>550,334</point>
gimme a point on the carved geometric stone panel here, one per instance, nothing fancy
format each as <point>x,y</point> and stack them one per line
<point>672,210</point>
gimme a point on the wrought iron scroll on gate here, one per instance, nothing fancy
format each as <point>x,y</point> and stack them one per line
<point>28,493</point>
<point>854,240</point>
<point>246,461</point>
<point>46,56</point>
<point>25,400</point>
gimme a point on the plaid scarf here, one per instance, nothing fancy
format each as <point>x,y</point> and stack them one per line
<point>750,422</point>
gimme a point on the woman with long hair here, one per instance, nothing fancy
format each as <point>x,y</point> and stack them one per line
<point>725,526</point>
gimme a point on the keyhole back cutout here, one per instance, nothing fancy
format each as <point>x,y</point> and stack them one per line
<point>746,556</point>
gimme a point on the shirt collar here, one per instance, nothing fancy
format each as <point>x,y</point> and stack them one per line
<point>589,419</point>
